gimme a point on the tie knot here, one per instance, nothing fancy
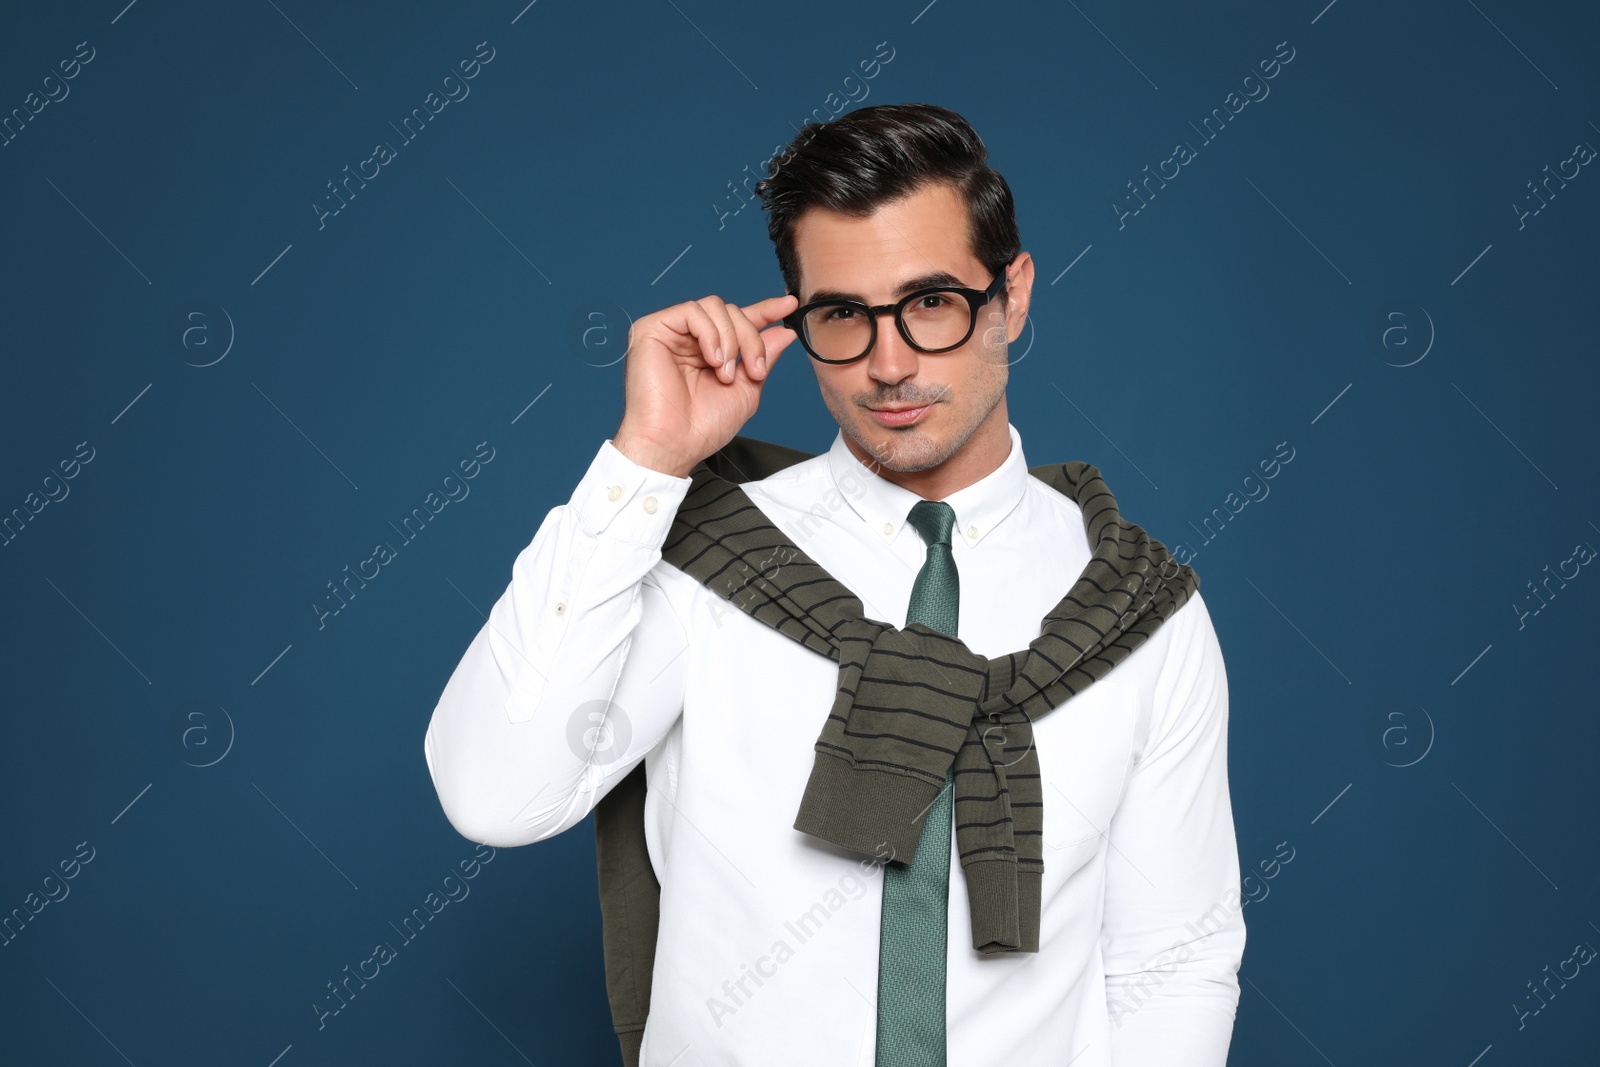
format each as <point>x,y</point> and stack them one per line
<point>933,519</point>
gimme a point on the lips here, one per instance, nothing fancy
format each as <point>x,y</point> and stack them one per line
<point>899,416</point>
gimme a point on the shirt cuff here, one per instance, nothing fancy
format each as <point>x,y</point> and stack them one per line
<point>623,499</point>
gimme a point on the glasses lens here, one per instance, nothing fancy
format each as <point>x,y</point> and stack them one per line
<point>837,331</point>
<point>938,320</point>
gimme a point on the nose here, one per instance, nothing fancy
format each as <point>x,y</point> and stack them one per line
<point>891,359</point>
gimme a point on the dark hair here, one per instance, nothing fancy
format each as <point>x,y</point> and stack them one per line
<point>865,158</point>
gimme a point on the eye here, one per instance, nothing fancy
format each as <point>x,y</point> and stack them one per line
<point>939,301</point>
<point>837,314</point>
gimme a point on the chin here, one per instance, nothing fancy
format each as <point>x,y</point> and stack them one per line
<point>906,450</point>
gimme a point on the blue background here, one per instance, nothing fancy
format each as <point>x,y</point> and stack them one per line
<point>252,786</point>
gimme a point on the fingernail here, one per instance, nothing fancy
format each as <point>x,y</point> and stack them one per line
<point>761,364</point>
<point>716,357</point>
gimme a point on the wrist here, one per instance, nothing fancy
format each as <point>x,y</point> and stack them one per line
<point>647,454</point>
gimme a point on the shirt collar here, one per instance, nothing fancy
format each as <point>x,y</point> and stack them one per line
<point>883,505</point>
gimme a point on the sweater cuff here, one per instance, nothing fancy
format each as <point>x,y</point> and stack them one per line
<point>873,811</point>
<point>1004,902</point>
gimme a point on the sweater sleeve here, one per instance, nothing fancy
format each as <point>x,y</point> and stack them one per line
<point>1173,934</point>
<point>576,673</point>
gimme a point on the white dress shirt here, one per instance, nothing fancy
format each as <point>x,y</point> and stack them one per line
<point>599,654</point>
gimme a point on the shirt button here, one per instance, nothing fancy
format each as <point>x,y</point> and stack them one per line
<point>614,493</point>
<point>650,504</point>
<point>561,608</point>
<point>888,528</point>
<point>972,532</point>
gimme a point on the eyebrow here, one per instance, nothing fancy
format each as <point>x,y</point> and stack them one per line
<point>925,281</point>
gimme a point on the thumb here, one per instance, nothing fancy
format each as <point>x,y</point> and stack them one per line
<point>776,340</point>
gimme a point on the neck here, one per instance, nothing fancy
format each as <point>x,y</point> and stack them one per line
<point>979,456</point>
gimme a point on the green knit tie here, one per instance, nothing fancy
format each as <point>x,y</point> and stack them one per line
<point>911,950</point>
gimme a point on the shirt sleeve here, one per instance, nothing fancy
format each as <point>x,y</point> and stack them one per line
<point>577,672</point>
<point>1173,934</point>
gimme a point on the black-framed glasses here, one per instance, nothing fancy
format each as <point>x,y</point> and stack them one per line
<point>936,319</point>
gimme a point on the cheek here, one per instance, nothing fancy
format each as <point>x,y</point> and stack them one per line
<point>994,336</point>
<point>838,386</point>
<point>986,371</point>
<point>834,398</point>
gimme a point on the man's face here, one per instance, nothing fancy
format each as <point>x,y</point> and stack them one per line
<point>878,260</point>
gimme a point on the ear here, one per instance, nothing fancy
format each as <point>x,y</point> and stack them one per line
<point>1019,291</point>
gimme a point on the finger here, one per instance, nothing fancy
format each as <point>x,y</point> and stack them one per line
<point>764,313</point>
<point>766,346</point>
<point>776,340</point>
<point>773,343</point>
<point>728,341</point>
<point>705,331</point>
<point>751,345</point>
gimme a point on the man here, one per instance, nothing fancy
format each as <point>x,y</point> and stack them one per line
<point>1118,942</point>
